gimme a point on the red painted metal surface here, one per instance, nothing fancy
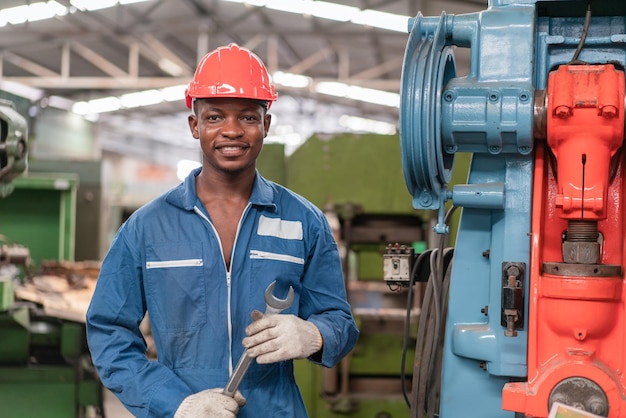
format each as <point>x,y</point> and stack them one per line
<point>577,323</point>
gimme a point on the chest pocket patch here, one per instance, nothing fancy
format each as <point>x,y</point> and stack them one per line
<point>279,228</point>
<point>175,286</point>
<point>278,251</point>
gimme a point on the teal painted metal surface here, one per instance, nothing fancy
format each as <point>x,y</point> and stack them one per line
<point>490,113</point>
<point>428,66</point>
<point>478,359</point>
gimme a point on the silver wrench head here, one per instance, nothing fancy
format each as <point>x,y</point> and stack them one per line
<point>276,303</point>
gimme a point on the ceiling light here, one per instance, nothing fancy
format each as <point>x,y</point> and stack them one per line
<point>374,96</point>
<point>258,3</point>
<point>130,100</point>
<point>382,20</point>
<point>80,108</point>
<point>333,11</point>
<point>22,90</point>
<point>15,15</point>
<point>249,2</point>
<point>59,9</point>
<point>60,102</point>
<point>41,11</point>
<point>291,80</point>
<point>46,10</point>
<point>93,4</point>
<point>174,93</point>
<point>141,98</point>
<point>291,6</point>
<point>105,104</point>
<point>332,88</point>
<point>362,94</point>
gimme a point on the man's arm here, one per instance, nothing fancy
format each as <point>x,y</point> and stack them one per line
<point>118,349</point>
<point>324,330</point>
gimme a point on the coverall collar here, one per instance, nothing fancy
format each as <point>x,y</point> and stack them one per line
<point>185,196</point>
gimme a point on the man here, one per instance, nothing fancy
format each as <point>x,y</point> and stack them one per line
<point>199,258</point>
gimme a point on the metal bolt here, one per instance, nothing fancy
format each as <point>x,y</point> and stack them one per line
<point>562,112</point>
<point>609,112</point>
<point>596,406</point>
<point>513,271</point>
<point>426,199</point>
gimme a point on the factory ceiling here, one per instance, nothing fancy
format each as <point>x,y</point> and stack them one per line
<point>81,55</point>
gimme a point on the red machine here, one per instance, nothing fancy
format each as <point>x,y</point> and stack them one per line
<point>577,318</point>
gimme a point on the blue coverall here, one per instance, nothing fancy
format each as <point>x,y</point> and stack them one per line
<point>167,259</point>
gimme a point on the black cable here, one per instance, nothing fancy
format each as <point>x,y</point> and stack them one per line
<point>429,335</point>
<point>438,275</point>
<point>434,385</point>
<point>407,324</point>
<point>583,36</point>
<point>423,347</point>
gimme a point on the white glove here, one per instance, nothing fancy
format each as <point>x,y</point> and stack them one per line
<point>210,403</point>
<point>275,338</point>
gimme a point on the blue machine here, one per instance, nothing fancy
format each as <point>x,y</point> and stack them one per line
<point>497,113</point>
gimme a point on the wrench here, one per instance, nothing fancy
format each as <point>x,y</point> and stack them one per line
<point>273,306</point>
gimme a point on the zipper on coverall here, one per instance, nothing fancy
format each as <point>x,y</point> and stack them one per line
<point>228,277</point>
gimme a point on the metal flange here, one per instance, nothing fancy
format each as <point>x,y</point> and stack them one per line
<point>428,65</point>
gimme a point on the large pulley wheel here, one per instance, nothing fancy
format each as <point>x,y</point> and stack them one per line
<point>428,65</point>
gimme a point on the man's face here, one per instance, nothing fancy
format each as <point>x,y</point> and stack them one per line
<point>231,133</point>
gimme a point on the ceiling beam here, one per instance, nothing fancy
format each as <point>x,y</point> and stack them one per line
<point>97,61</point>
<point>165,53</point>
<point>379,70</point>
<point>30,66</point>
<point>310,61</point>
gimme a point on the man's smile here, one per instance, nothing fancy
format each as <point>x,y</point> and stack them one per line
<point>231,150</point>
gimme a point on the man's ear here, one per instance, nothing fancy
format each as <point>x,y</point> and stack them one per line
<point>267,121</point>
<point>193,125</point>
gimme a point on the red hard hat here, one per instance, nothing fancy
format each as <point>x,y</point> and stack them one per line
<point>231,71</point>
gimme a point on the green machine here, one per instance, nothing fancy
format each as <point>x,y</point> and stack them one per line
<point>45,368</point>
<point>357,181</point>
